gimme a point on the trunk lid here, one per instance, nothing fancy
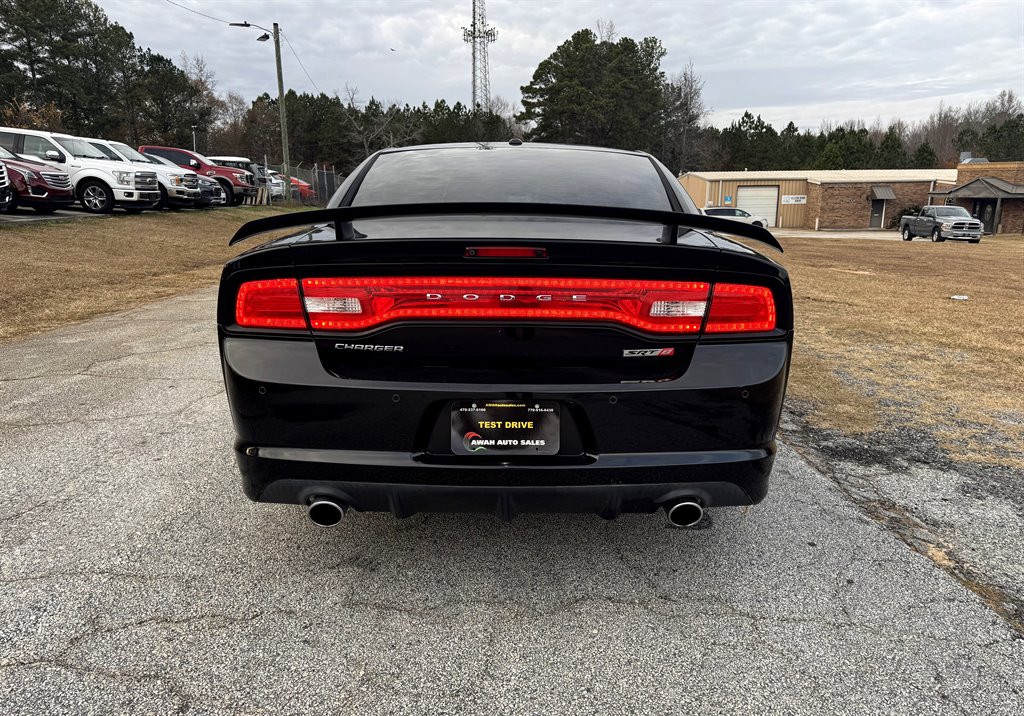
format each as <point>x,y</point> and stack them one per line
<point>475,346</point>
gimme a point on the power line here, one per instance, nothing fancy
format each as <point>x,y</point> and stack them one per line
<point>210,17</point>
<point>295,54</point>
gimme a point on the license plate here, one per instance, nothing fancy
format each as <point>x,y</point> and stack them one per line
<point>504,427</point>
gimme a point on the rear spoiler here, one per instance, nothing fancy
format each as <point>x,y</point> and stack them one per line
<point>343,216</point>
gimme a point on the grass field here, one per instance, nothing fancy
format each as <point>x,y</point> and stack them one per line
<point>55,273</point>
<point>879,341</point>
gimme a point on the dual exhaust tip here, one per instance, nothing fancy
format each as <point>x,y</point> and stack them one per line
<point>684,513</point>
<point>325,512</point>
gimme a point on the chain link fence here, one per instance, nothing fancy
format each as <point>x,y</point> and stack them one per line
<point>315,186</point>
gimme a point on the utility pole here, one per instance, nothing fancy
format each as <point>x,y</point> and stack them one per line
<point>280,95</point>
<point>284,114</point>
<point>479,35</point>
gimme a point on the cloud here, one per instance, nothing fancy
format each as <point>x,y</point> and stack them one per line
<point>805,61</point>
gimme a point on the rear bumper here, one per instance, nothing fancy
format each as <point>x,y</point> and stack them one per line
<point>376,445</point>
<point>612,485</point>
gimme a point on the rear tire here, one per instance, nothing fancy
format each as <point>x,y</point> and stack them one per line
<point>96,197</point>
<point>758,224</point>
<point>907,236</point>
<point>937,236</point>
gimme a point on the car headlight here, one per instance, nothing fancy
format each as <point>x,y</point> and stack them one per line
<point>176,179</point>
<point>123,177</point>
<point>947,225</point>
<point>240,178</point>
<point>27,173</point>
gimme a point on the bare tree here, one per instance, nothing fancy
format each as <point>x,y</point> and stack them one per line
<point>205,81</point>
<point>606,30</point>
<point>375,127</point>
<point>228,136</point>
<point>507,110</point>
<point>685,110</point>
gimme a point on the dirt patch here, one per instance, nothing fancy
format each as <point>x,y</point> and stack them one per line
<point>879,341</point>
<point>65,272</point>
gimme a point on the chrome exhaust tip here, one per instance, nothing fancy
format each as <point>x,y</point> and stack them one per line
<point>324,512</point>
<point>685,513</point>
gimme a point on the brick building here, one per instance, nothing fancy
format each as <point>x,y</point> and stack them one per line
<point>839,199</point>
<point>991,191</point>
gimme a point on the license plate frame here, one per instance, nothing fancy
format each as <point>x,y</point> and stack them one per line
<point>495,427</point>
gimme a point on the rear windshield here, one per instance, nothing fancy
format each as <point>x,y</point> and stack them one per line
<point>514,174</point>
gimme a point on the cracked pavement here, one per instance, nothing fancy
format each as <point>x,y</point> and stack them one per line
<point>136,578</point>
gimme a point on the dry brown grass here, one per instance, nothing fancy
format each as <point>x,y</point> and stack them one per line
<point>55,273</point>
<point>879,341</point>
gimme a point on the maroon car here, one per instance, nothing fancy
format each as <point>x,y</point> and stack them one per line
<point>236,183</point>
<point>36,184</point>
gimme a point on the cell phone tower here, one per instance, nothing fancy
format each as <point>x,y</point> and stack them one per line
<point>479,35</point>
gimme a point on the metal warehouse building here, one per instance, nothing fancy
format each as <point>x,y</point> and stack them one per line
<point>833,199</point>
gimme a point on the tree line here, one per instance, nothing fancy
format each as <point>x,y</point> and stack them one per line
<point>597,89</point>
<point>65,66</point>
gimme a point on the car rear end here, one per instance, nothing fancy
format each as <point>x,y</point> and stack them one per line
<point>506,364</point>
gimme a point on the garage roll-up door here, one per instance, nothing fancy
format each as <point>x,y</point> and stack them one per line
<point>760,201</point>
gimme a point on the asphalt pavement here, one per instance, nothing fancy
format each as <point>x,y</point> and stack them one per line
<point>136,578</point>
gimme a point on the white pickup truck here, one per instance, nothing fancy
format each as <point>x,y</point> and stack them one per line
<point>100,183</point>
<point>178,187</point>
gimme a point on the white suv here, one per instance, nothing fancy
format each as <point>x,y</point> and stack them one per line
<point>728,212</point>
<point>99,182</point>
<point>178,187</point>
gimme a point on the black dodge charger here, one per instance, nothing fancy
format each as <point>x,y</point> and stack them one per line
<point>506,327</point>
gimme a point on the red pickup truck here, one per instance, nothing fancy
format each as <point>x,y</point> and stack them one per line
<point>237,183</point>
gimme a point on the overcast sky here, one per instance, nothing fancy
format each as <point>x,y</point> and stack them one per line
<point>800,61</point>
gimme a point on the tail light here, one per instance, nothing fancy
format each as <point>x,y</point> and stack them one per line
<point>346,304</point>
<point>351,304</point>
<point>273,303</point>
<point>736,308</point>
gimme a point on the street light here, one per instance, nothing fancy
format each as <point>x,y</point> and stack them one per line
<point>276,33</point>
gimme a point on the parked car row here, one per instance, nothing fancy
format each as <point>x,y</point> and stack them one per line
<point>47,171</point>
